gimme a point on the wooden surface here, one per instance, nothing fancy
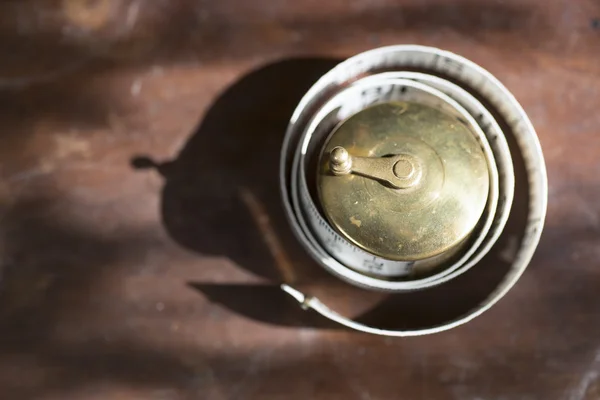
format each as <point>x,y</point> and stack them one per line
<point>140,262</point>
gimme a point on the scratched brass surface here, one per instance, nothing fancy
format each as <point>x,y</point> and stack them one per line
<point>119,282</point>
<point>432,215</point>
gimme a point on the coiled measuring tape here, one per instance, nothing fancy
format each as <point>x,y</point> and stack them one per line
<point>440,80</point>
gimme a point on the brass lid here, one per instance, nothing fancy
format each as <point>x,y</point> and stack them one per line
<point>403,181</point>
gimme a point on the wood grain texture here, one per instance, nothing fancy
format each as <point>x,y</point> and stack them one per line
<point>140,262</point>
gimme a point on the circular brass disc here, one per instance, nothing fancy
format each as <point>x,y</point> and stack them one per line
<point>439,157</point>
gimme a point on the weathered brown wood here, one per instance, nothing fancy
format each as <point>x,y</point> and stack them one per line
<point>140,261</point>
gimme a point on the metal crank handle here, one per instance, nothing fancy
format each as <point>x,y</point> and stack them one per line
<point>399,171</point>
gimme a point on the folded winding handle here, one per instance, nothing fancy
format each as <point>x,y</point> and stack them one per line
<point>399,171</point>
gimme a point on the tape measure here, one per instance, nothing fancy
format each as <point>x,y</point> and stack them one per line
<point>396,174</point>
